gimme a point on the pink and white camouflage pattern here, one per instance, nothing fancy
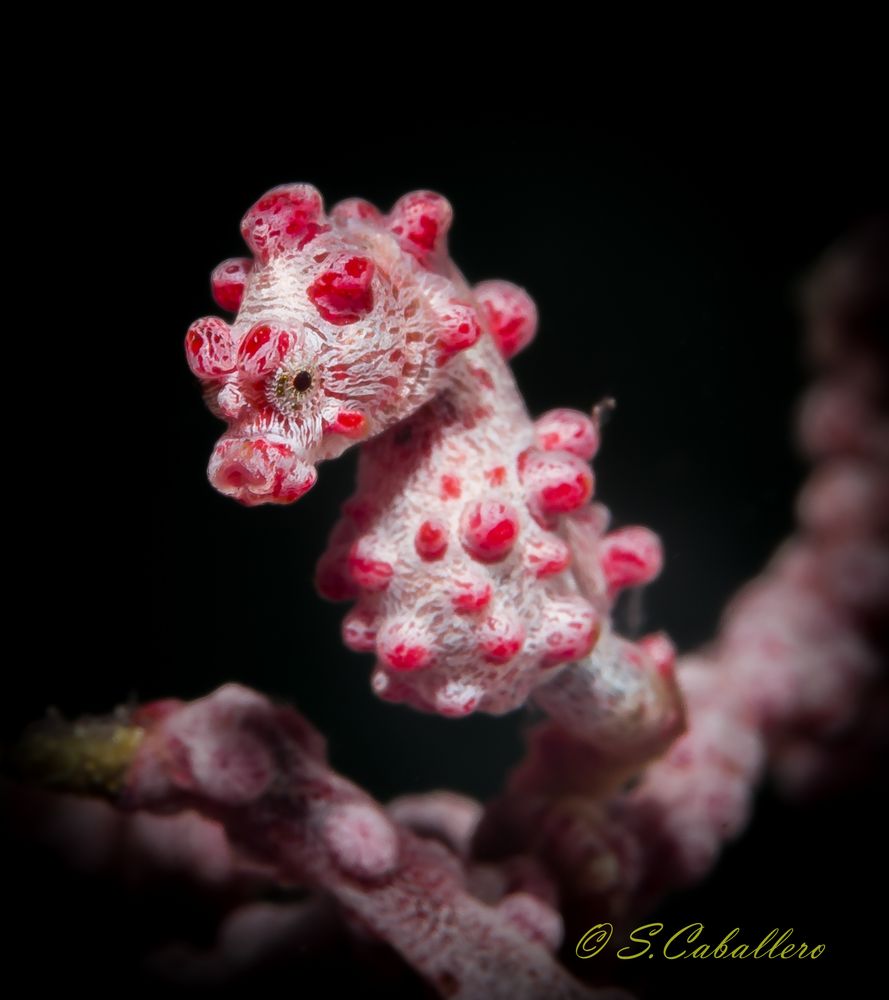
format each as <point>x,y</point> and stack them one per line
<point>480,568</point>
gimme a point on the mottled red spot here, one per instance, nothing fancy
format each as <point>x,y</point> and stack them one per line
<point>405,657</point>
<point>228,282</point>
<point>263,348</point>
<point>489,529</point>
<point>431,540</point>
<point>359,631</point>
<point>500,638</point>
<point>255,340</point>
<point>557,482</point>
<point>208,348</point>
<point>343,294</point>
<point>510,314</point>
<point>496,476</point>
<point>459,329</point>
<point>470,595</point>
<point>349,423</point>
<point>483,376</point>
<point>285,219</point>
<point>568,430</point>
<point>630,557</point>
<point>419,221</point>
<point>567,495</point>
<point>548,557</point>
<point>450,487</point>
<point>367,571</point>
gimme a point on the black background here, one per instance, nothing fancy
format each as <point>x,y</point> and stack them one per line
<point>665,262</point>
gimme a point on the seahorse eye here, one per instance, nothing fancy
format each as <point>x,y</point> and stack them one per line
<point>289,387</point>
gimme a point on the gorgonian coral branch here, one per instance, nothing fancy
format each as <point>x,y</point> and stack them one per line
<point>259,771</point>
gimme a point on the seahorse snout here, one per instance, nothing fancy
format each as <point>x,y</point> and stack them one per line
<point>259,470</point>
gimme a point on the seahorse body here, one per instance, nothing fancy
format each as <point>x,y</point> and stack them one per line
<point>479,564</point>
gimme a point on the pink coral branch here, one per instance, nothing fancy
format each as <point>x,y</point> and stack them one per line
<point>260,771</point>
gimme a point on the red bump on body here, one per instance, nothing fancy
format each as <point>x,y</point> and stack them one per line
<point>359,631</point>
<point>263,349</point>
<point>547,556</point>
<point>209,348</point>
<point>367,570</point>
<point>431,540</point>
<point>228,281</point>
<point>343,294</point>
<point>567,430</point>
<point>403,647</point>
<point>488,529</point>
<point>630,557</point>
<point>285,219</point>
<point>500,637</point>
<point>420,221</point>
<point>459,329</point>
<point>510,314</point>
<point>450,487</point>
<point>557,482</point>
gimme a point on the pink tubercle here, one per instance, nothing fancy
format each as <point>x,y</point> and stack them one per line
<point>367,569</point>
<point>510,314</point>
<point>343,293</point>
<point>431,540</point>
<point>557,482</point>
<point>500,637</point>
<point>228,281</point>
<point>489,529</point>
<point>402,646</point>
<point>420,222</point>
<point>567,430</point>
<point>285,219</point>
<point>630,557</point>
<point>349,423</point>
<point>263,349</point>
<point>470,595</point>
<point>209,349</point>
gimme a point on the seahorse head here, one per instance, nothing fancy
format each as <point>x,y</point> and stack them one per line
<point>344,324</point>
